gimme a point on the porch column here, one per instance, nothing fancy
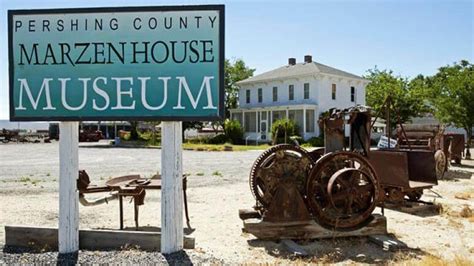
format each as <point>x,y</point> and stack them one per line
<point>243,121</point>
<point>267,122</point>
<point>287,113</point>
<point>304,122</point>
<point>256,121</point>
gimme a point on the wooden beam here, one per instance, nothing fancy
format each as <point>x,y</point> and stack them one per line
<point>68,236</point>
<point>309,229</point>
<point>25,236</point>
<point>171,188</point>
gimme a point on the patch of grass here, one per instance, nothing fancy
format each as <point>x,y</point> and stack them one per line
<point>24,179</point>
<point>435,261</point>
<point>221,147</point>
<point>200,174</point>
<point>217,173</point>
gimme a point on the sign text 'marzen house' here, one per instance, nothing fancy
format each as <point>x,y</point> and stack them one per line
<point>161,63</point>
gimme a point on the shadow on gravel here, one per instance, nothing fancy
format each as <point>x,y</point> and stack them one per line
<point>466,166</point>
<point>354,249</point>
<point>178,258</point>
<point>455,175</point>
<point>67,259</point>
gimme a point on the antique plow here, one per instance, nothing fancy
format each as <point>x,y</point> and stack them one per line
<point>124,186</point>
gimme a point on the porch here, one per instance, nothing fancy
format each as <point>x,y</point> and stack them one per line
<point>257,121</point>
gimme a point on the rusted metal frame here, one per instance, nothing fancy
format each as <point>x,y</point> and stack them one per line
<point>378,113</point>
<point>185,181</point>
<point>403,130</point>
<point>121,211</point>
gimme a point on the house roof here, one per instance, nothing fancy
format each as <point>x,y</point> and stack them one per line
<point>299,69</point>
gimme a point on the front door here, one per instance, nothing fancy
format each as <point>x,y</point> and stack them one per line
<point>263,129</point>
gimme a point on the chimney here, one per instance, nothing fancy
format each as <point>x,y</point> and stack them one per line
<point>308,59</point>
<point>291,61</point>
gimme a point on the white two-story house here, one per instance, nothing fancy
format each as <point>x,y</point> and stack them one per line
<point>298,91</point>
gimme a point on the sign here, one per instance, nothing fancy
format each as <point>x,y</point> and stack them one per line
<point>128,63</point>
<point>383,143</point>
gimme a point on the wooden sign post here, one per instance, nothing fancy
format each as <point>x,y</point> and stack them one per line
<point>172,188</point>
<point>68,232</point>
<point>118,64</point>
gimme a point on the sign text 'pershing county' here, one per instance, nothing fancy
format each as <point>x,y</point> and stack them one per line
<point>130,63</point>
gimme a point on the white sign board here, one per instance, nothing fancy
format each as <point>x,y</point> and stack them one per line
<point>383,143</point>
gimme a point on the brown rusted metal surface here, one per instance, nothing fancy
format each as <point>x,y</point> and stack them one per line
<point>391,167</point>
<point>280,164</point>
<point>333,134</point>
<point>338,186</point>
<point>342,190</point>
<point>125,186</point>
<point>454,146</point>
<point>422,167</point>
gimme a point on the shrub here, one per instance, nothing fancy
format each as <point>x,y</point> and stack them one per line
<point>234,131</point>
<point>217,139</point>
<point>316,141</point>
<point>284,128</point>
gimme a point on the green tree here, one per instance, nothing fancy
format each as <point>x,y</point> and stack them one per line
<point>404,95</point>
<point>452,94</point>
<point>233,72</point>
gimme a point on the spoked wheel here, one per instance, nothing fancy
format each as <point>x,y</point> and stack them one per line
<point>342,190</point>
<point>440,164</point>
<point>281,163</point>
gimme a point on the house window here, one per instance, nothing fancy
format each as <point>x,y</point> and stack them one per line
<point>250,122</point>
<point>353,94</point>
<point>260,95</point>
<point>310,121</point>
<point>306,90</point>
<point>247,96</point>
<point>291,92</point>
<point>275,94</point>
<point>334,91</point>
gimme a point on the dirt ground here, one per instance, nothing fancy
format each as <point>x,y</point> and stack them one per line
<point>217,189</point>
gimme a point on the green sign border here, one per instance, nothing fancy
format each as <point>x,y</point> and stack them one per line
<point>11,69</point>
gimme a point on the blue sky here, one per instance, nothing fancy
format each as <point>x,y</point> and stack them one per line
<point>409,37</point>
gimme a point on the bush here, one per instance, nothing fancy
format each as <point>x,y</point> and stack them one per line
<point>218,139</point>
<point>284,128</point>
<point>316,142</point>
<point>233,131</point>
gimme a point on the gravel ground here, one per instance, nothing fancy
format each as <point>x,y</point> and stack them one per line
<point>130,257</point>
<point>217,188</point>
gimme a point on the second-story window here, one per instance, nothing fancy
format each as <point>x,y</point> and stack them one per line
<point>291,92</point>
<point>306,90</point>
<point>275,94</point>
<point>333,91</point>
<point>353,94</point>
<point>260,97</point>
<point>247,96</point>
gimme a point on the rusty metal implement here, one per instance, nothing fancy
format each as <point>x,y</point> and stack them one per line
<point>124,186</point>
<point>340,185</point>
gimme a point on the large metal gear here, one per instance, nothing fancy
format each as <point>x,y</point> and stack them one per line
<point>342,190</point>
<point>279,164</point>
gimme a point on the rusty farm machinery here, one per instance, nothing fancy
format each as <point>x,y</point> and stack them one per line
<point>333,191</point>
<point>133,186</point>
